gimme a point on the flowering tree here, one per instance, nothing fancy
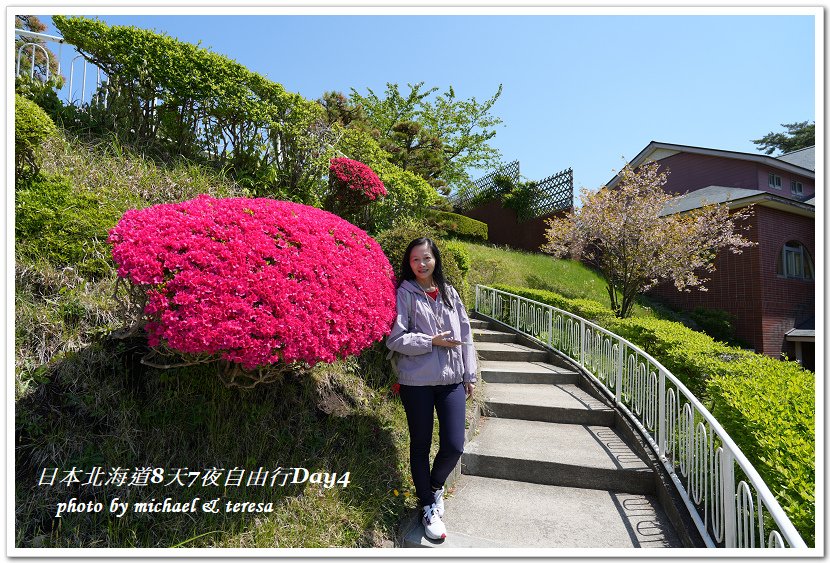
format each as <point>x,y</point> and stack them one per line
<point>352,186</point>
<point>264,286</point>
<point>631,236</point>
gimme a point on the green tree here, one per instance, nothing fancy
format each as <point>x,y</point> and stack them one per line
<point>439,137</point>
<point>626,234</point>
<point>798,136</point>
<point>338,109</point>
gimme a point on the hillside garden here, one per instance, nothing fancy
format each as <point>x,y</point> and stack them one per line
<point>203,280</point>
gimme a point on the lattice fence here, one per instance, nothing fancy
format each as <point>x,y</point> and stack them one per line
<point>554,193</point>
<point>466,200</point>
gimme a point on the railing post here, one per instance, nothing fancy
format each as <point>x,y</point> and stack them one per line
<point>477,293</point>
<point>518,308</point>
<point>620,363</point>
<point>582,342</point>
<point>727,474</point>
<point>550,327</point>
<point>661,415</point>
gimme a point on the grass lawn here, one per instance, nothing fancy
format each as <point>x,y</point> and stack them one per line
<point>491,265</point>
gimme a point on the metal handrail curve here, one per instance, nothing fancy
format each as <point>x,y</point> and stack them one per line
<point>713,477</point>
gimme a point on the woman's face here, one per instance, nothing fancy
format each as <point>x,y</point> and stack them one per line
<point>422,262</point>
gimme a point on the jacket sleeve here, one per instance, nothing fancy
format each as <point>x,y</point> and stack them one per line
<point>400,339</point>
<point>468,351</point>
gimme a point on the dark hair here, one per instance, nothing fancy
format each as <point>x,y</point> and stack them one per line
<point>437,274</point>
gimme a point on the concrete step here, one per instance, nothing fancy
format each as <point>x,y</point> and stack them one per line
<point>483,512</point>
<point>497,371</point>
<point>563,403</point>
<point>571,455</point>
<point>509,352</point>
<point>477,323</point>
<point>487,335</point>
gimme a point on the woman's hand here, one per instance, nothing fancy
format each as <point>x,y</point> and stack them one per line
<point>469,388</point>
<point>445,339</point>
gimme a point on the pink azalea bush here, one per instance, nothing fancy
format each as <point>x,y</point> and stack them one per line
<point>356,177</point>
<point>255,281</point>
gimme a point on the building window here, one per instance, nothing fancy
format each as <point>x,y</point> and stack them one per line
<point>774,181</point>
<point>795,261</point>
<point>797,188</point>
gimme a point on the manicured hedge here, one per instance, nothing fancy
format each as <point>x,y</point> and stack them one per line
<point>768,408</point>
<point>585,308</point>
<point>766,405</point>
<point>459,225</point>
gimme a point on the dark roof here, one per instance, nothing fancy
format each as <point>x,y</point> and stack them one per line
<point>805,158</point>
<point>735,197</point>
<point>804,329</point>
<point>655,146</point>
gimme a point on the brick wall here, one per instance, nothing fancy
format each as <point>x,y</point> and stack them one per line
<point>785,302</point>
<point>503,228</point>
<point>690,171</point>
<point>733,288</point>
<point>746,285</point>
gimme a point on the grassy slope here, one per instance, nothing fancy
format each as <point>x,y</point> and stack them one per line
<point>491,265</point>
<point>84,399</point>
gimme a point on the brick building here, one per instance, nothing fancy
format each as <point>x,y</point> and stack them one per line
<point>769,288</point>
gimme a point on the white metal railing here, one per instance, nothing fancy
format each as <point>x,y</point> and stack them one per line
<point>727,499</point>
<point>71,93</point>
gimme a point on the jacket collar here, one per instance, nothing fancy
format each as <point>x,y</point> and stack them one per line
<point>412,286</point>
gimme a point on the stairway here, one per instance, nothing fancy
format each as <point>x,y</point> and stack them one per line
<point>547,468</point>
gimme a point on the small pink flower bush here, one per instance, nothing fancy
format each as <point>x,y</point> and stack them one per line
<point>356,177</point>
<point>255,281</point>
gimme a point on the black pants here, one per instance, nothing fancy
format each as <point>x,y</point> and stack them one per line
<point>419,403</point>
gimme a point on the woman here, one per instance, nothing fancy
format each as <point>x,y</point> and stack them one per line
<point>436,371</point>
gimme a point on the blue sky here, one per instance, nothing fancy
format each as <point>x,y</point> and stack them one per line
<point>579,91</point>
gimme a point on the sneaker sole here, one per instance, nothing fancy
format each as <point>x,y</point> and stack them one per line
<point>430,536</point>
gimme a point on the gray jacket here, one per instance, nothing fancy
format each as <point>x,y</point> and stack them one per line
<point>421,363</point>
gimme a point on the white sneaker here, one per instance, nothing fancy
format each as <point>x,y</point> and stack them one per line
<point>439,502</point>
<point>433,526</point>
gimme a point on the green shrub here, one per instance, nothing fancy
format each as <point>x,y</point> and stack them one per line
<point>408,195</point>
<point>40,92</point>
<point>767,406</point>
<point>31,127</point>
<point>459,253</point>
<point>459,226</point>
<point>690,355</point>
<point>64,227</point>
<point>207,107</point>
<point>715,322</point>
<point>518,196</point>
